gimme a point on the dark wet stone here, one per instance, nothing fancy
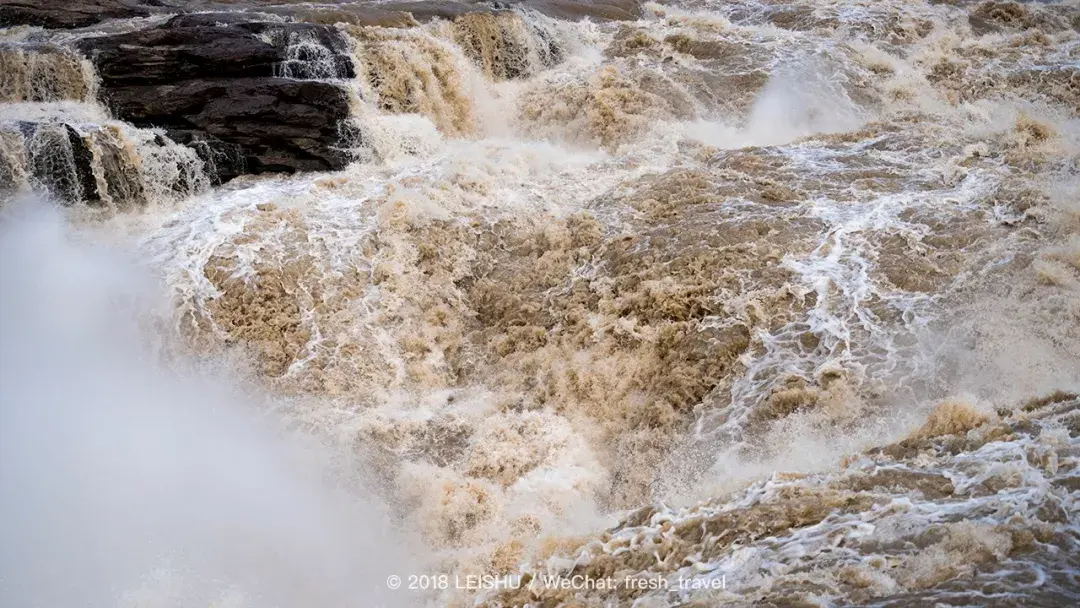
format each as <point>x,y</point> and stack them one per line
<point>68,14</point>
<point>233,90</point>
<point>209,46</point>
<point>274,125</point>
<point>83,156</point>
<point>613,10</point>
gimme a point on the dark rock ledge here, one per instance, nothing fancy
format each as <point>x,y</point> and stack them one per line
<point>68,14</point>
<point>215,83</point>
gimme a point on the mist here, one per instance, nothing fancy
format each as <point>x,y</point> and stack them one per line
<point>125,482</point>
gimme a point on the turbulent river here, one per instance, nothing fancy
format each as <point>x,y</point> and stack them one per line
<point>757,302</point>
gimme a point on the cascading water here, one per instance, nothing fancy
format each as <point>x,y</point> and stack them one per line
<point>42,72</point>
<point>58,141</point>
<point>761,303</point>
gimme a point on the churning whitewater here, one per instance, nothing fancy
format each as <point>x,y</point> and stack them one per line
<point>540,303</point>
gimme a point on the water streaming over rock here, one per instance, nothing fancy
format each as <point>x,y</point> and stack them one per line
<point>760,303</point>
<point>57,140</point>
<point>41,72</point>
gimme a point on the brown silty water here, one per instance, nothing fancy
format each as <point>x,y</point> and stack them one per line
<point>784,295</point>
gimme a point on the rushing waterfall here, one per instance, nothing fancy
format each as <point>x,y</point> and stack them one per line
<point>42,72</point>
<point>570,303</point>
<point>56,139</point>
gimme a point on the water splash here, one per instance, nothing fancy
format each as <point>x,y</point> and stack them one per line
<point>700,274</point>
<point>136,483</point>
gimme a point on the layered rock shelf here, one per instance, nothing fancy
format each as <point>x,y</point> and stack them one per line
<point>241,93</point>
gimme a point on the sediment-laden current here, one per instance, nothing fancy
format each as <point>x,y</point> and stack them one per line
<point>688,303</point>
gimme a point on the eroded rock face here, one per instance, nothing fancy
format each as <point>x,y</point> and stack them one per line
<point>64,14</point>
<point>215,46</point>
<point>246,125</point>
<point>240,93</point>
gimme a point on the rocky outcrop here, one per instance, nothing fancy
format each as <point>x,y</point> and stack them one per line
<point>410,12</point>
<point>242,94</point>
<point>68,14</point>
<point>219,45</point>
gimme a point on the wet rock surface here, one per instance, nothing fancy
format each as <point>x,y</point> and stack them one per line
<point>60,14</point>
<point>236,91</point>
<point>211,45</point>
<point>245,125</point>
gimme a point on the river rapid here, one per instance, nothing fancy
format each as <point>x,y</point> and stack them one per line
<point>781,294</point>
